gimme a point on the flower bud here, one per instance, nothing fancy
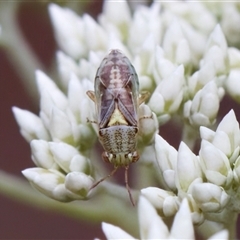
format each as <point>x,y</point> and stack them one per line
<point>236,170</point>
<point>202,110</point>
<point>215,165</point>
<point>42,156</point>
<point>79,183</point>
<point>120,16</point>
<point>188,168</point>
<point>61,128</point>
<point>69,31</point>
<point>232,84</point>
<point>148,125</point>
<point>69,158</point>
<point>112,232</point>
<point>163,67</point>
<point>216,51</point>
<point>151,225</point>
<point>182,222</point>
<point>31,126</point>
<point>167,160</point>
<point>48,182</point>
<point>171,96</point>
<point>66,66</point>
<point>209,197</point>
<point>165,202</point>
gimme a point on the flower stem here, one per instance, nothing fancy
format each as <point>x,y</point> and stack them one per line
<point>98,209</point>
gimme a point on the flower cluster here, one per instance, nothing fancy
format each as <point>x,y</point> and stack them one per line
<point>182,58</point>
<point>210,181</point>
<point>153,227</point>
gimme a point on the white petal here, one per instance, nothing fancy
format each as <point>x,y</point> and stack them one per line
<point>61,127</point>
<point>69,30</point>
<point>79,183</point>
<point>222,142</point>
<point>220,235</point>
<point>234,57</point>
<point>45,83</point>
<point>217,38</point>
<point>212,159</point>
<point>117,12</point>
<point>156,103</point>
<point>47,182</point>
<point>207,133</point>
<point>66,66</point>
<point>209,197</point>
<point>188,168</point>
<point>150,224</point>
<point>160,198</point>
<point>230,125</point>
<point>31,126</point>
<point>172,86</point>
<point>148,125</point>
<point>63,154</point>
<point>233,84</point>
<point>171,39</point>
<point>113,232</point>
<point>167,159</point>
<point>41,155</point>
<point>183,52</point>
<point>182,226</point>
<point>94,34</point>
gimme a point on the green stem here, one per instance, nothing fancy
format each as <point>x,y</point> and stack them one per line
<point>105,207</point>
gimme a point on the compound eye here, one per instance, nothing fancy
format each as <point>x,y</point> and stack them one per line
<point>105,157</point>
<point>135,157</point>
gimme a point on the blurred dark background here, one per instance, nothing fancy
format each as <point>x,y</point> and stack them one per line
<point>17,220</point>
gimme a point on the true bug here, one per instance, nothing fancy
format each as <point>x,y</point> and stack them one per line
<point>117,100</point>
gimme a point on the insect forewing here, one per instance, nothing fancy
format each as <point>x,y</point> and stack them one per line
<point>116,82</point>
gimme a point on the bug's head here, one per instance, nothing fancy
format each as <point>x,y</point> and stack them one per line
<point>120,159</point>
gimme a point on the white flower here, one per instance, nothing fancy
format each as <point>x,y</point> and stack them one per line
<point>76,35</point>
<point>50,183</point>
<point>175,45</point>
<point>215,165</point>
<point>227,136</point>
<point>216,51</point>
<point>167,160</point>
<point>166,98</point>
<point>146,22</point>
<point>203,109</point>
<point>41,154</point>
<point>209,197</point>
<point>232,84</point>
<point>229,23</point>
<point>153,227</point>
<point>148,125</point>
<point>31,125</point>
<point>164,201</point>
<point>188,169</point>
<point>115,20</point>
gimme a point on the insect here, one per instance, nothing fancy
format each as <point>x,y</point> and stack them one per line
<point>117,99</point>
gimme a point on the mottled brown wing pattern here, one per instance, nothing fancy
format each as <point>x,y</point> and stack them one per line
<point>116,85</point>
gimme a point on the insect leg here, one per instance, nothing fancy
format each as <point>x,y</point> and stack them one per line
<point>91,95</point>
<point>127,186</point>
<point>102,179</point>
